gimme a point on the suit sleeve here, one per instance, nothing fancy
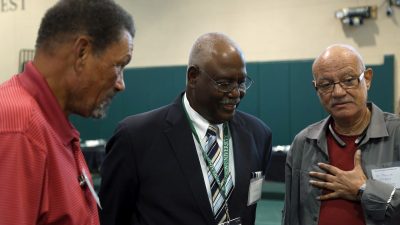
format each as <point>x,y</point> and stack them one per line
<point>263,139</point>
<point>268,150</point>
<point>119,183</point>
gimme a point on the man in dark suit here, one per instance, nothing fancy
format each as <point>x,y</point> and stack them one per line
<point>196,161</point>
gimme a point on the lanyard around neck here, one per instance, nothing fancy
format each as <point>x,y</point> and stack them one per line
<point>221,184</point>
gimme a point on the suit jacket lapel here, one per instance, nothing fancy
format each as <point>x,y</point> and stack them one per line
<point>242,157</point>
<point>180,136</point>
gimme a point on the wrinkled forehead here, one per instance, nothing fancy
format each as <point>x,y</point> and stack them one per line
<point>336,61</point>
<point>226,57</point>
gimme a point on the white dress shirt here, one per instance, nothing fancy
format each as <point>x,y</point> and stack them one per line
<point>201,125</point>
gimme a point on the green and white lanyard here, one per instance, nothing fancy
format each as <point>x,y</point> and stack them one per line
<point>225,151</point>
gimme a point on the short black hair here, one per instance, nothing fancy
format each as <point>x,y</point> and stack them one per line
<point>102,20</point>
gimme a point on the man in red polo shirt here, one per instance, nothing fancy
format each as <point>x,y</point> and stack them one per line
<point>81,50</point>
<point>345,168</point>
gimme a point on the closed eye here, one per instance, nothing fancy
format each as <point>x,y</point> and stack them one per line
<point>349,80</point>
<point>224,84</point>
<point>324,84</point>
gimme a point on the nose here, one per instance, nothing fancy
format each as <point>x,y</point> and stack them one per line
<point>236,92</point>
<point>119,83</point>
<point>338,90</point>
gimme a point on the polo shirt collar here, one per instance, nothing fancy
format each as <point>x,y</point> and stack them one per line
<point>35,84</point>
<point>376,129</point>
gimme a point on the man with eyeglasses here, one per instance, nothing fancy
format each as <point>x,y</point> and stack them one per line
<point>344,169</point>
<point>197,161</point>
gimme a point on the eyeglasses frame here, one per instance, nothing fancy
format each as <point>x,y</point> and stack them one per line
<point>238,86</point>
<point>359,78</point>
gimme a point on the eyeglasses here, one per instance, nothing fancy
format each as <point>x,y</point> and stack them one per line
<point>350,82</point>
<point>227,87</point>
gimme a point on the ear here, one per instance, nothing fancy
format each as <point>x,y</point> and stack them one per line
<point>368,77</point>
<point>192,75</point>
<point>81,51</point>
<point>314,84</point>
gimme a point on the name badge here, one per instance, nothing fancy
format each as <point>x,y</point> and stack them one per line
<point>389,175</point>
<point>255,188</point>
<point>235,221</point>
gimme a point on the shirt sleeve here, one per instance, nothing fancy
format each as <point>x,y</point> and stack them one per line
<point>287,213</point>
<point>22,176</point>
<point>380,200</point>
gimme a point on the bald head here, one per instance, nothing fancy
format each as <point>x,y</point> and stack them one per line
<point>211,46</point>
<point>342,84</point>
<point>338,57</point>
<point>216,64</point>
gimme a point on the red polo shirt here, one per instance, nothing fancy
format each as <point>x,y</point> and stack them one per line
<point>40,158</point>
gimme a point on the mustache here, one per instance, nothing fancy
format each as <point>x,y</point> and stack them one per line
<point>111,95</point>
<point>108,99</point>
<point>228,101</point>
<point>339,101</point>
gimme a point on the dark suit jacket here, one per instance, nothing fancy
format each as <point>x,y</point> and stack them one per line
<point>152,175</point>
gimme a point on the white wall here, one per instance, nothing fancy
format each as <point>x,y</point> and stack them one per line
<point>267,30</point>
<point>18,29</point>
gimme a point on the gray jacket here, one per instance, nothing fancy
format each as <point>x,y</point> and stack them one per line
<point>379,149</point>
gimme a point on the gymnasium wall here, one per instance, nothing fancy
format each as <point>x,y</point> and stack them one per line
<point>282,96</point>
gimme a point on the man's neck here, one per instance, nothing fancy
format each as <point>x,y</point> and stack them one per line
<point>354,127</point>
<point>53,70</point>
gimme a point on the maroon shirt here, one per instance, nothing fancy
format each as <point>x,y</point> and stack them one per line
<point>40,158</point>
<point>340,211</point>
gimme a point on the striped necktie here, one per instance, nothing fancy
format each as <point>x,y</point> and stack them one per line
<point>215,155</point>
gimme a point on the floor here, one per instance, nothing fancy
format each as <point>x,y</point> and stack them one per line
<point>269,208</point>
<point>269,212</point>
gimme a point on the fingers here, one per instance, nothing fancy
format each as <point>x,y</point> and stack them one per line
<point>322,185</point>
<point>322,176</point>
<point>358,167</point>
<point>340,184</point>
<point>357,159</point>
<point>329,168</point>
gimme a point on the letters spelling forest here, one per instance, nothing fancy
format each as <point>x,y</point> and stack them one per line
<point>11,5</point>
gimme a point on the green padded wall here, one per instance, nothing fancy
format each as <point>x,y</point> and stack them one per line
<point>282,96</point>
